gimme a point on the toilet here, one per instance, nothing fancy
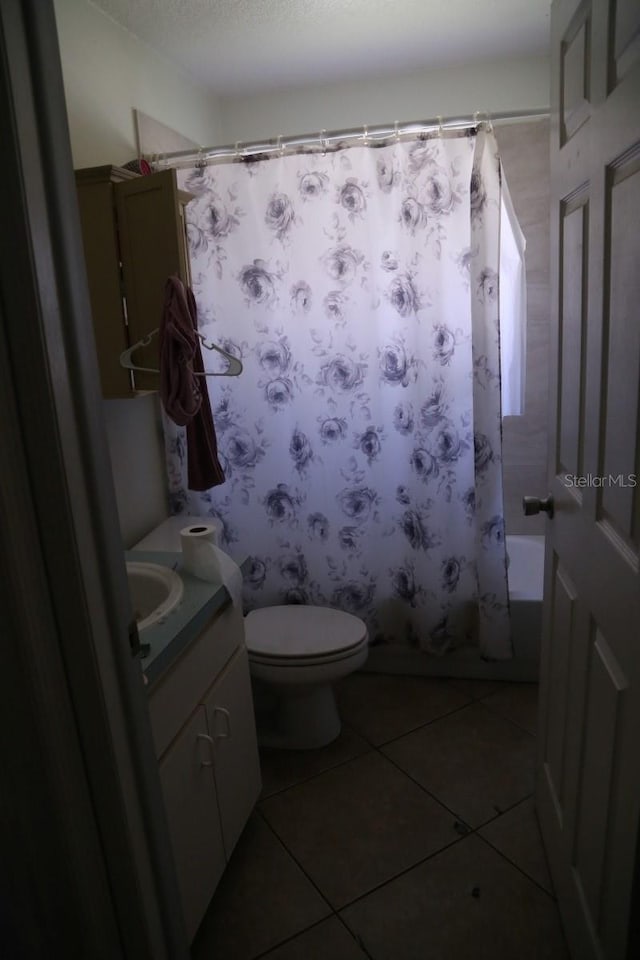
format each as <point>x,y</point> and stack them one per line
<point>295,654</point>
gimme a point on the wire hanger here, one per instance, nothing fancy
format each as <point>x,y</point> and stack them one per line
<point>233,370</point>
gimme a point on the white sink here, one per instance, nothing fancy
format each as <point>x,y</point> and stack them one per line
<point>155,592</point>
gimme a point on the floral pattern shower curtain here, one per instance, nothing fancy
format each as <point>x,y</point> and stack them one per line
<point>362,443</point>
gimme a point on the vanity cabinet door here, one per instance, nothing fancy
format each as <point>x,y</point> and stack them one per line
<point>192,814</point>
<point>232,727</point>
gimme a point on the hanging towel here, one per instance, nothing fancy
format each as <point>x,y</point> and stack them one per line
<point>184,395</point>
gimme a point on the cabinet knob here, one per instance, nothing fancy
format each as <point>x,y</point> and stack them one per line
<point>225,713</point>
<point>205,736</point>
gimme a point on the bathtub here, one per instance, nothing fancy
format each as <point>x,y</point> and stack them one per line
<point>526,581</point>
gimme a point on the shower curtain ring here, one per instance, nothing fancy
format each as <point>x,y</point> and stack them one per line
<point>238,154</point>
<point>200,163</point>
<point>397,131</point>
<point>440,127</point>
<point>365,135</point>
<point>323,142</point>
<point>279,146</point>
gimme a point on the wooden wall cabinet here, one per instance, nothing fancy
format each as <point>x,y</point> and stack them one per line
<point>203,726</point>
<point>134,236</point>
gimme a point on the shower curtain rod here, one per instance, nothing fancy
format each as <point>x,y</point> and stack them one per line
<point>324,139</point>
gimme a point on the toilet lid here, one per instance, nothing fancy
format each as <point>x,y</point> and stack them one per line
<point>298,631</point>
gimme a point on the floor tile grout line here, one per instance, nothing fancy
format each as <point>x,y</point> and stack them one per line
<point>474,699</point>
<point>455,839</point>
<point>520,869</point>
<point>385,743</point>
<point>497,713</point>
<point>294,858</point>
<point>378,749</point>
<point>372,747</point>
<point>314,776</point>
<point>369,748</point>
<point>337,911</point>
<point>432,796</point>
<point>444,716</point>
<point>414,866</point>
<point>356,937</point>
<point>420,726</point>
<point>501,813</point>
<point>282,943</point>
<point>458,818</point>
<point>458,839</point>
<point>334,910</point>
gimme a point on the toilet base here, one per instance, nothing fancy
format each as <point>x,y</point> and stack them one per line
<point>302,717</point>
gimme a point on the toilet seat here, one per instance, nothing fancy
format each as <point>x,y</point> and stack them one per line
<point>296,653</point>
<point>297,635</point>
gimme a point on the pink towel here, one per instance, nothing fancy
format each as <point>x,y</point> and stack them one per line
<point>184,395</point>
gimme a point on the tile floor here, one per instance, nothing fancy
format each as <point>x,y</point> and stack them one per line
<point>411,837</point>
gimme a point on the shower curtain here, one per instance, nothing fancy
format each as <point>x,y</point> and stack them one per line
<point>362,443</point>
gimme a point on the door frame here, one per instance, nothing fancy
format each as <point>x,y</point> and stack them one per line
<point>88,869</point>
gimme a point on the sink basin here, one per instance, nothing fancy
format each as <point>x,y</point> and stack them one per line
<point>155,591</point>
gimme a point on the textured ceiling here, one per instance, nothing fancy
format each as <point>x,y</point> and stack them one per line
<point>246,46</point>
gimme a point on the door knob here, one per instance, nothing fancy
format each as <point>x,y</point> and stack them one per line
<point>533,505</point>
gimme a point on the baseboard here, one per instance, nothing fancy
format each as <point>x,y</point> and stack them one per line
<point>402,660</point>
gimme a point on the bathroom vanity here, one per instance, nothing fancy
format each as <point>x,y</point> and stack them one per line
<point>203,726</point>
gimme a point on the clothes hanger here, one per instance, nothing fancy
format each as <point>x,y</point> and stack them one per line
<point>233,370</point>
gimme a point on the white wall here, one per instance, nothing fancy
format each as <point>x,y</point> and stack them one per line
<point>507,85</point>
<point>107,74</point>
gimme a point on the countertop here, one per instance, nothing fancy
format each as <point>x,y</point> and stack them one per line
<point>200,603</point>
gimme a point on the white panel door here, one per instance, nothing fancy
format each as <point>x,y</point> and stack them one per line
<point>588,789</point>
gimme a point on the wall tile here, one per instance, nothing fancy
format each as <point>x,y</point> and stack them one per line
<point>524,148</point>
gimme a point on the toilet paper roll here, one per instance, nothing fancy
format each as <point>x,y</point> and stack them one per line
<point>198,556</point>
<point>203,559</point>
<point>199,533</point>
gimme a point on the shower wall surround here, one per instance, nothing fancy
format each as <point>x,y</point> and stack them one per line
<point>524,148</point>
